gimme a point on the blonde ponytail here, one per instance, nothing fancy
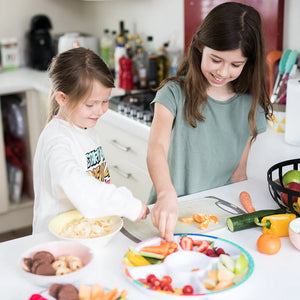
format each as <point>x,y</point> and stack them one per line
<point>54,107</point>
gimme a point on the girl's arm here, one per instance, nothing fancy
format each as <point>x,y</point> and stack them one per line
<point>239,174</point>
<point>165,211</point>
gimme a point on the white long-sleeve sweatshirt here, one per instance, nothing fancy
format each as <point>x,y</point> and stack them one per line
<point>70,172</point>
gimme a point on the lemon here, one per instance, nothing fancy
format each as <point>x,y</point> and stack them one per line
<point>241,264</point>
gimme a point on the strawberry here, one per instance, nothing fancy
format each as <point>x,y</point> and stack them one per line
<point>220,251</point>
<point>186,243</point>
<point>203,246</point>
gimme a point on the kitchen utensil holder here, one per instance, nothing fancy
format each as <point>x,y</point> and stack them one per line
<point>276,186</point>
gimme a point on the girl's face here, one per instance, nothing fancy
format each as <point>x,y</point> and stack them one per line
<point>87,113</point>
<point>222,67</point>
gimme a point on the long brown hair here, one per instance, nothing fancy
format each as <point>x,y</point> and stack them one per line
<point>228,26</point>
<point>73,72</point>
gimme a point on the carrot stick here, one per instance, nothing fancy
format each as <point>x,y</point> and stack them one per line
<point>110,294</point>
<point>165,248</point>
<point>246,202</point>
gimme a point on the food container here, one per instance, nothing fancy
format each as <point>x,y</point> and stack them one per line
<point>276,187</point>
<point>113,223</point>
<point>10,59</point>
<point>57,249</point>
<point>294,232</point>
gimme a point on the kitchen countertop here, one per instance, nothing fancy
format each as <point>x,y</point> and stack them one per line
<point>274,277</point>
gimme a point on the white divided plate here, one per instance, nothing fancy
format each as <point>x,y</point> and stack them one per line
<point>179,266</point>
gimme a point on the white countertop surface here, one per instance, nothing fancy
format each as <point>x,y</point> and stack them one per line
<point>274,277</point>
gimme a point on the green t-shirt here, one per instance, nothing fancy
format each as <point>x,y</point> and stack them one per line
<point>205,157</point>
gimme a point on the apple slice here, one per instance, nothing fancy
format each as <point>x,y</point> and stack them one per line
<point>241,264</point>
<point>227,261</point>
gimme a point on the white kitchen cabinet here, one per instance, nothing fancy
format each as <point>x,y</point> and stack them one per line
<point>34,110</point>
<point>126,157</point>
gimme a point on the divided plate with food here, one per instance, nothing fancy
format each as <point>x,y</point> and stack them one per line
<point>192,265</point>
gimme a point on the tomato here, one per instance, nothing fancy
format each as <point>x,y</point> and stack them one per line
<point>150,278</point>
<point>166,279</point>
<point>187,289</point>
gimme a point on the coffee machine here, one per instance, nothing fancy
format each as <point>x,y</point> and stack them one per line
<point>40,44</point>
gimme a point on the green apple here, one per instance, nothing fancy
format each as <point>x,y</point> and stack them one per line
<point>291,176</point>
<point>227,261</point>
<point>239,277</point>
<point>241,264</point>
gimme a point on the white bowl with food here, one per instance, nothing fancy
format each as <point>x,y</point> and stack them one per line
<point>56,262</point>
<point>95,233</point>
<point>294,232</point>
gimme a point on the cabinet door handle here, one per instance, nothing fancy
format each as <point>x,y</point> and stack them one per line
<point>119,146</point>
<point>120,172</point>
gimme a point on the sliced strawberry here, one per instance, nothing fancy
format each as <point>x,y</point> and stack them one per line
<point>197,242</point>
<point>186,243</point>
<point>204,245</point>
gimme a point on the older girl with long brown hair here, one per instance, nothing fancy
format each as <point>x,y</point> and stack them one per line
<point>207,116</point>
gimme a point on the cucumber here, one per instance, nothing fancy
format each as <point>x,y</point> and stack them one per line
<point>153,261</point>
<point>146,254</point>
<point>245,221</point>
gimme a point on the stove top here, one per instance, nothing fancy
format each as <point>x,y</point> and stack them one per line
<point>135,106</point>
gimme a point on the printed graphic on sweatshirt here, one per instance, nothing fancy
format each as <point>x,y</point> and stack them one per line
<point>97,166</point>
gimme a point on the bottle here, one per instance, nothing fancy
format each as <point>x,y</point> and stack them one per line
<point>162,65</point>
<point>119,52</point>
<point>151,63</point>
<point>111,52</point>
<point>122,32</point>
<point>106,43</point>
<point>140,65</point>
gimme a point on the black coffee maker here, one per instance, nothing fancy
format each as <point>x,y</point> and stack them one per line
<point>40,44</point>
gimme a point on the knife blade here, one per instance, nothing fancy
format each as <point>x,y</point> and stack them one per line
<point>220,203</point>
<point>129,235</point>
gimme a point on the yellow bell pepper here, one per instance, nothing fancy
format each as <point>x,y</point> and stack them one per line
<point>276,224</point>
<point>136,259</point>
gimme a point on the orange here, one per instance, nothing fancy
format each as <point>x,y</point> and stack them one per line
<point>268,243</point>
<point>204,225</point>
<point>214,219</point>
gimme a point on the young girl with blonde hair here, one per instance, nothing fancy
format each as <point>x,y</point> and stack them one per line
<point>70,170</point>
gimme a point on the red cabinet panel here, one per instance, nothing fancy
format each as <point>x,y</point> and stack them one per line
<point>271,13</point>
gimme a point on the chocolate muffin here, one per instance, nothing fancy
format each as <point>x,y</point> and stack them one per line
<point>68,292</point>
<point>44,256</point>
<point>54,289</point>
<point>45,269</point>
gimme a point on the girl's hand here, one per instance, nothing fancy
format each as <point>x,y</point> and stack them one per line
<point>144,212</point>
<point>164,214</point>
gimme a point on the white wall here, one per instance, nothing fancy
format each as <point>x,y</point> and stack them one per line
<point>291,28</point>
<point>163,19</point>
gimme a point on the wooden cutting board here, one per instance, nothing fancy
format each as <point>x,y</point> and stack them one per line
<point>144,229</point>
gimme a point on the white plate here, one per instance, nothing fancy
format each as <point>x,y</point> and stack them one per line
<point>178,266</point>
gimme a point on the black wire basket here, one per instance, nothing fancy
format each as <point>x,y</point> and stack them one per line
<point>276,187</point>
